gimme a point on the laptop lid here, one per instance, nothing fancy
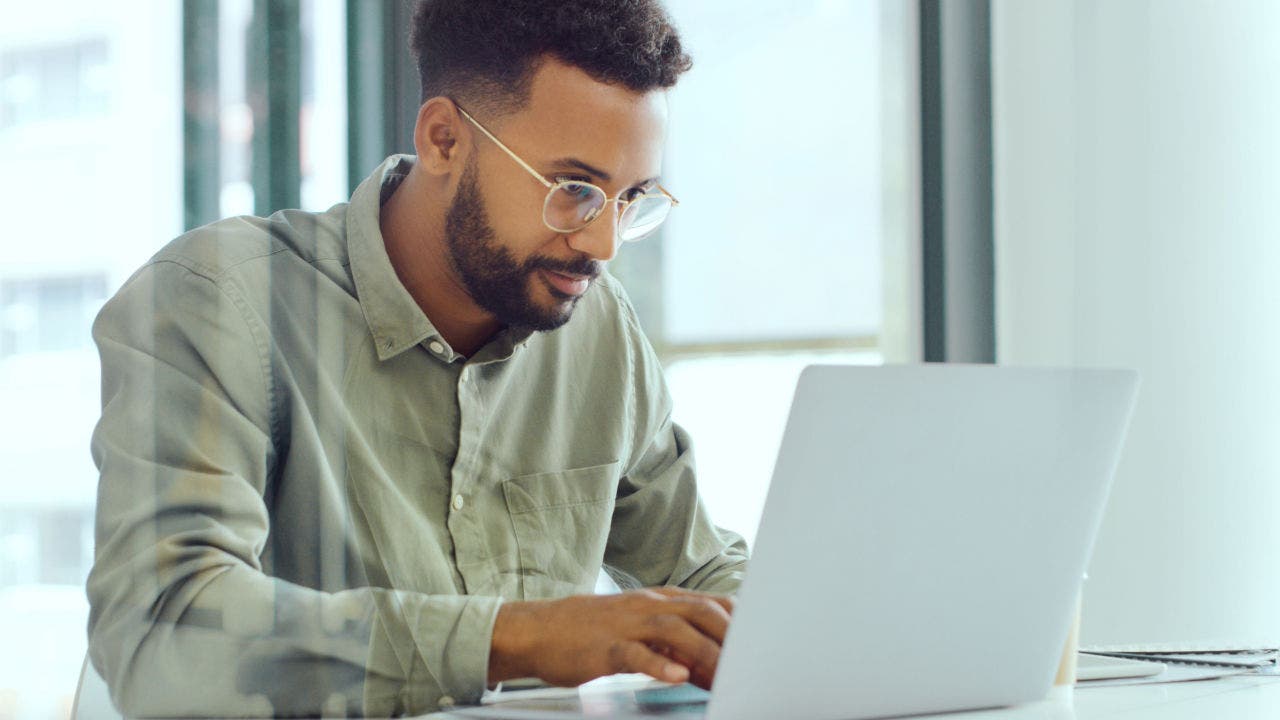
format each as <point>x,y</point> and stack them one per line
<point>923,540</point>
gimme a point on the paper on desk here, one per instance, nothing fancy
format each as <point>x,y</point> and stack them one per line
<point>620,705</point>
<point>1172,674</point>
<point>617,696</point>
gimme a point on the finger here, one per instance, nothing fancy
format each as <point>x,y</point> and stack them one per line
<point>704,611</point>
<point>683,640</point>
<point>709,617</point>
<point>727,602</point>
<point>697,676</point>
<point>637,657</point>
<point>670,591</point>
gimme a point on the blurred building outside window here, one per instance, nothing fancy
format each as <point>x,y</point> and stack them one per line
<point>90,152</point>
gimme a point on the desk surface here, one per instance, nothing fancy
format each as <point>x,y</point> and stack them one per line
<point>1240,697</point>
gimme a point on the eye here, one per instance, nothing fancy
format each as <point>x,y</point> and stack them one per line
<point>634,193</point>
<point>576,187</point>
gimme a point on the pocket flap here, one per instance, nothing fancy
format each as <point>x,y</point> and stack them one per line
<point>564,488</point>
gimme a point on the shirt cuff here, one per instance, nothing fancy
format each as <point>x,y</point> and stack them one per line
<point>464,665</point>
<point>443,643</point>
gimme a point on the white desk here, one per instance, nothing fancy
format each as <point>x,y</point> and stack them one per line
<point>1241,697</point>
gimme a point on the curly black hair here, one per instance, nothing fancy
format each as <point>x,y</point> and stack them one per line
<point>485,52</point>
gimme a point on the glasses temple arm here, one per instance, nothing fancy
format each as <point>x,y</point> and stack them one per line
<point>505,149</point>
<point>666,192</point>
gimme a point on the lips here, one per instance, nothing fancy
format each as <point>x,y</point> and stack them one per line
<point>572,285</point>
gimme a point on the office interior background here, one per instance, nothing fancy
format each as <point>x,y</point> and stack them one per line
<point>862,181</point>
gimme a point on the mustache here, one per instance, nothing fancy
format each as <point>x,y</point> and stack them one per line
<point>582,266</point>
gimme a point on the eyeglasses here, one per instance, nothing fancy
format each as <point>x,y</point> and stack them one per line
<point>571,205</point>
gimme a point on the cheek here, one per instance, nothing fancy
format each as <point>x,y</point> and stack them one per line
<point>524,237</point>
<point>513,208</point>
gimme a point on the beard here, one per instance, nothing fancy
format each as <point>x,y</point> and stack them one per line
<point>492,276</point>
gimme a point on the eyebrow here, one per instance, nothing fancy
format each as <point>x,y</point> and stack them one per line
<point>591,170</point>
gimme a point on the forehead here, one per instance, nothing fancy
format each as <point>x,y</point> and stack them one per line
<point>571,115</point>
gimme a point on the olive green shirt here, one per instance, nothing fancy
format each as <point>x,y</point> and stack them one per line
<point>310,504</point>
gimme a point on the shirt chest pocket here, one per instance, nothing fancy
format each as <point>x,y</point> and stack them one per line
<point>561,522</point>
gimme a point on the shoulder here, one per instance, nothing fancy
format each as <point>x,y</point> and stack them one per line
<point>239,244</point>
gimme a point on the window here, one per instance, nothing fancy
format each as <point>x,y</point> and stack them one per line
<point>794,188</point>
<point>45,546</point>
<point>90,152</point>
<point>53,82</point>
<point>48,313</point>
<point>798,192</point>
<point>320,123</point>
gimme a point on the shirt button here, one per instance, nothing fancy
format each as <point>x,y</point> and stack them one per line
<point>436,347</point>
<point>446,702</point>
<point>458,502</point>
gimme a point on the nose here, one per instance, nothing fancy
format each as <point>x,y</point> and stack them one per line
<point>599,238</point>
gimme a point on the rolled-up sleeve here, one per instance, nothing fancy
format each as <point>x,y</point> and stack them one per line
<point>183,619</point>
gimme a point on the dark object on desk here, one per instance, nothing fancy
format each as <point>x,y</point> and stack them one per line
<point>1247,659</point>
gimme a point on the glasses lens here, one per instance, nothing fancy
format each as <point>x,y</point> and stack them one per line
<point>643,216</point>
<point>571,205</point>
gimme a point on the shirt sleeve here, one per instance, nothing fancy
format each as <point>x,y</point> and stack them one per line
<point>662,533</point>
<point>183,619</point>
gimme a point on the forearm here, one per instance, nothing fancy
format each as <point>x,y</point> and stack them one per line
<point>512,643</point>
<point>233,642</point>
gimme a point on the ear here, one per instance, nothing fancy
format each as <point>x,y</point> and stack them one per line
<point>441,137</point>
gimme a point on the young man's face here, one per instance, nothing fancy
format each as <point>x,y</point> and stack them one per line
<point>573,127</point>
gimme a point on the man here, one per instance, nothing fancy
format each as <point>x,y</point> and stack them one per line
<point>371,461</point>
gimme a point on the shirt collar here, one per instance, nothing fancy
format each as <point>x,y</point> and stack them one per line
<point>395,320</point>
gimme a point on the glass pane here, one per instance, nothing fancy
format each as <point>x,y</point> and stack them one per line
<point>736,448</point>
<point>324,103</point>
<point>235,153</point>
<point>775,153</point>
<point>792,153</point>
<point>322,116</point>
<point>90,144</point>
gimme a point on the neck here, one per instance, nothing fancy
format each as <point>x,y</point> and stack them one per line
<point>413,229</point>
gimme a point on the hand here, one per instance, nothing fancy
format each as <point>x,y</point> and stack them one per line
<point>670,634</point>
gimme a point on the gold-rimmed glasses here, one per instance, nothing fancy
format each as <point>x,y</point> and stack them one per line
<point>571,205</point>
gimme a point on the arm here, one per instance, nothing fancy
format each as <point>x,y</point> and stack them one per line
<point>183,619</point>
<point>660,536</point>
<point>661,532</point>
<point>670,633</point>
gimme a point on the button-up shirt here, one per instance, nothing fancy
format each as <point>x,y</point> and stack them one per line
<point>310,503</point>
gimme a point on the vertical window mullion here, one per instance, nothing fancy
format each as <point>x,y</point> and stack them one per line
<point>275,97</point>
<point>956,185</point>
<point>201,166</point>
<point>366,88</point>
<point>383,89</point>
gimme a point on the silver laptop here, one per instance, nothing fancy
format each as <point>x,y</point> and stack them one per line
<point>923,540</point>
<point>921,548</point>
